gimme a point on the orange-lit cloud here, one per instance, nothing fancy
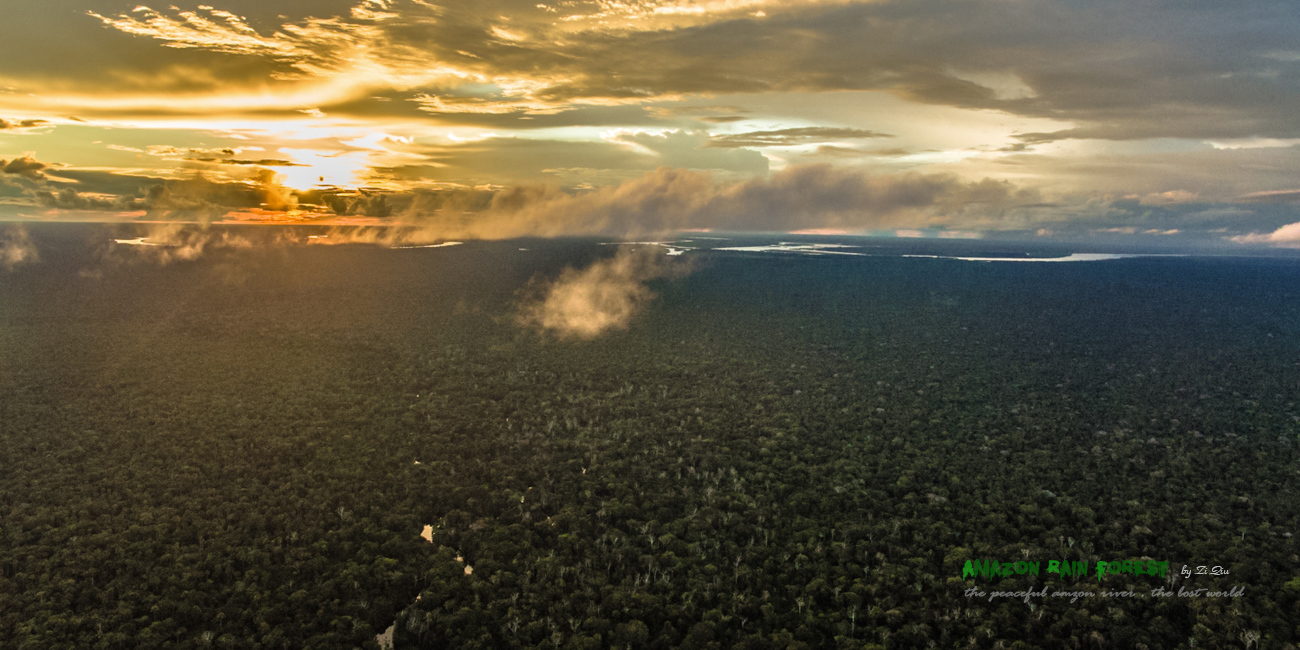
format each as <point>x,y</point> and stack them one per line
<point>561,111</point>
<point>21,125</point>
<point>27,166</point>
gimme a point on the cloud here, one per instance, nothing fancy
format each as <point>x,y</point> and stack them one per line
<point>790,137</point>
<point>668,199</point>
<point>1224,213</point>
<point>505,160</point>
<point>718,114</point>
<point>16,247</point>
<point>1287,236</point>
<point>377,235</point>
<point>484,106</point>
<point>619,155</point>
<point>264,162</point>
<point>70,199</point>
<point>17,125</point>
<point>313,46</point>
<point>196,199</point>
<point>1096,66</point>
<point>1096,73</point>
<point>274,195</point>
<point>839,152</point>
<point>692,150</point>
<point>606,295</point>
<point>673,199</point>
<point>27,167</point>
<point>168,243</point>
<point>193,199</point>
<point>1172,197</point>
<point>797,198</point>
<point>1275,196</point>
<point>362,203</point>
<point>953,81</point>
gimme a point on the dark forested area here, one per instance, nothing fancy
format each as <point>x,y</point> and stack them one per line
<point>781,452</point>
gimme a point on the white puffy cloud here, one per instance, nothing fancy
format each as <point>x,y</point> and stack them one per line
<point>1287,236</point>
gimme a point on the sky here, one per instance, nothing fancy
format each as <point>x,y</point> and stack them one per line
<point>1139,121</point>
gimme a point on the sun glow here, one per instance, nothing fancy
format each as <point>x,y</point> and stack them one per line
<point>323,168</point>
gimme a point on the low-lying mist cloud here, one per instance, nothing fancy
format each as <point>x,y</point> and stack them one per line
<point>168,243</point>
<point>16,247</point>
<point>606,295</point>
<point>668,200</point>
<point>799,198</point>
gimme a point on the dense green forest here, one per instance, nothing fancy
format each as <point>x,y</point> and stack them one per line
<point>780,452</point>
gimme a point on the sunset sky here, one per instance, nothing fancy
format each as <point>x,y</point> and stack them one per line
<point>1135,121</point>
